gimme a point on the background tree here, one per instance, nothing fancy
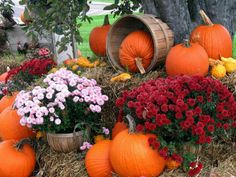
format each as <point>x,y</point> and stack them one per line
<point>182,15</point>
<point>57,16</point>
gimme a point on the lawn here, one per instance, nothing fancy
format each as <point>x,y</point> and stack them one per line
<point>85,30</point>
<point>106,1</point>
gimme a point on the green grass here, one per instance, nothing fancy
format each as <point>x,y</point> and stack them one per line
<point>85,30</point>
<point>106,1</point>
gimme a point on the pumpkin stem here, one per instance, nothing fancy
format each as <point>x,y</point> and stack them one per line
<point>205,18</point>
<point>19,145</point>
<point>186,43</point>
<point>132,124</point>
<point>138,62</point>
<point>106,20</point>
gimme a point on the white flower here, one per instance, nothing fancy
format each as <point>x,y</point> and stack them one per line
<point>105,98</point>
<point>21,112</point>
<point>100,102</point>
<point>40,96</point>
<point>58,121</point>
<point>72,83</point>
<point>29,120</point>
<point>51,119</point>
<point>38,114</point>
<point>49,96</point>
<point>76,99</point>
<point>23,121</point>
<point>51,110</point>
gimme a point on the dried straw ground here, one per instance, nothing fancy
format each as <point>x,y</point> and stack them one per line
<point>221,162</point>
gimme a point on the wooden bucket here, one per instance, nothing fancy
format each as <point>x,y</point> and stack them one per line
<point>163,38</point>
<point>65,142</point>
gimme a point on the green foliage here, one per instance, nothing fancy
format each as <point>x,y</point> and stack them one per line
<point>234,46</point>
<point>6,8</point>
<point>122,7</point>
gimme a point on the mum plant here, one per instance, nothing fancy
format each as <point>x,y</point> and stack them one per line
<point>180,110</point>
<point>64,101</point>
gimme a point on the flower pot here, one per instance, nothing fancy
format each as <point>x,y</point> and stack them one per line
<point>67,142</point>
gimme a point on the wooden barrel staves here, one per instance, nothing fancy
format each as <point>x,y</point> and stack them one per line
<point>162,35</point>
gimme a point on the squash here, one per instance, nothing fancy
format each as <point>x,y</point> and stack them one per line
<point>121,77</point>
<point>187,59</point>
<point>119,127</point>
<point>136,51</point>
<point>229,64</point>
<point>172,164</point>
<point>16,159</point>
<point>10,127</point>
<point>7,100</point>
<point>214,38</point>
<point>131,154</point>
<point>97,160</point>
<point>98,38</point>
<point>218,71</point>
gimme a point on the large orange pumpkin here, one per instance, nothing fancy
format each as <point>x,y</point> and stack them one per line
<point>188,59</point>
<point>3,77</point>
<point>119,127</point>
<point>7,100</point>
<point>136,51</point>
<point>215,38</point>
<point>10,127</point>
<point>131,155</point>
<point>98,38</point>
<point>16,160</point>
<point>97,160</point>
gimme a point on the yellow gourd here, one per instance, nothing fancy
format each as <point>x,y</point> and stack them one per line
<point>84,62</point>
<point>218,71</point>
<point>230,64</point>
<point>121,77</point>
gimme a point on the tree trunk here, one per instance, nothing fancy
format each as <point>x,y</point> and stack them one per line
<point>183,15</point>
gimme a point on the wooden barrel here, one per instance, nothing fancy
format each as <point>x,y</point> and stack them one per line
<point>163,38</point>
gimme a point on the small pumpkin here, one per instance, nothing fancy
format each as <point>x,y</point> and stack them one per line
<point>187,59</point>
<point>7,100</point>
<point>16,159</point>
<point>3,77</point>
<point>98,38</point>
<point>136,51</point>
<point>131,154</point>
<point>119,127</point>
<point>25,17</point>
<point>214,38</point>
<point>97,160</point>
<point>10,127</point>
<point>218,71</point>
<point>172,164</point>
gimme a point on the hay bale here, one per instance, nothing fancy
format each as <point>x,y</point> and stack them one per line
<point>113,89</point>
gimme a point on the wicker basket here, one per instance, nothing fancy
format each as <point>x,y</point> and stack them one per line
<point>65,142</point>
<point>162,36</point>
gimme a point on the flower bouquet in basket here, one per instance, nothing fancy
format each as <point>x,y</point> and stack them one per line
<point>64,103</point>
<point>183,112</point>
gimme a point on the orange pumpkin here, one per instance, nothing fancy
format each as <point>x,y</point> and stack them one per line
<point>215,38</point>
<point>98,38</point>
<point>3,77</point>
<point>97,160</point>
<point>10,127</point>
<point>136,51</point>
<point>172,164</point>
<point>188,59</point>
<point>25,18</point>
<point>119,127</point>
<point>131,155</point>
<point>16,160</point>
<point>7,100</point>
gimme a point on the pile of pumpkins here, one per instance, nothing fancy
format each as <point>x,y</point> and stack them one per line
<point>209,45</point>
<point>127,154</point>
<point>17,159</point>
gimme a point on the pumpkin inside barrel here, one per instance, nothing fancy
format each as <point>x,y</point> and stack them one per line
<point>145,34</point>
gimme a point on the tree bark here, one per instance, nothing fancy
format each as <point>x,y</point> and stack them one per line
<point>182,16</point>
